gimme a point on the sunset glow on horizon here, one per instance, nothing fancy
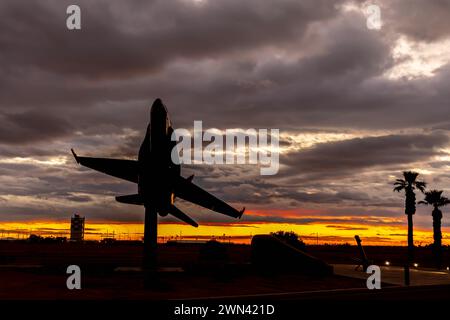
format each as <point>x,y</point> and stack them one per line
<point>316,233</point>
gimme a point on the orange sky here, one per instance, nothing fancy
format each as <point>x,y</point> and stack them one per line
<point>326,233</point>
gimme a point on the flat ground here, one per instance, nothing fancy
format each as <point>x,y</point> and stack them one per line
<point>395,275</point>
<point>38,271</point>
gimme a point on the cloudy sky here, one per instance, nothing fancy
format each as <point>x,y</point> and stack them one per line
<point>355,106</point>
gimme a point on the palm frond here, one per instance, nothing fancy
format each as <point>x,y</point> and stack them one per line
<point>420,185</point>
<point>435,198</point>
<point>399,185</point>
<point>443,202</point>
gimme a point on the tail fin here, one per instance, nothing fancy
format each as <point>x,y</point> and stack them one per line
<point>131,199</point>
<point>182,216</point>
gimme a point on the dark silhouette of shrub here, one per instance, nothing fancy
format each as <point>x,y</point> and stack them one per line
<point>290,238</point>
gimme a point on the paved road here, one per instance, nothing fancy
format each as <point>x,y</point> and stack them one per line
<point>395,275</point>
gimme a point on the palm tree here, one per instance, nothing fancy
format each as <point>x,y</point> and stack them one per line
<point>409,183</point>
<point>435,199</point>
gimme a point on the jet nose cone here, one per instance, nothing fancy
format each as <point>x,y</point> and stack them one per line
<point>158,107</point>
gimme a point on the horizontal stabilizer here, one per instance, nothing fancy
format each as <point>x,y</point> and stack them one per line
<point>182,216</point>
<point>131,199</point>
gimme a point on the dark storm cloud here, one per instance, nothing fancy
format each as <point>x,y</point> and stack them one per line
<point>341,86</point>
<point>120,40</point>
<point>352,156</point>
<point>336,86</point>
<point>263,193</point>
<point>352,197</point>
<point>424,20</point>
<point>19,128</point>
<point>17,150</point>
<point>282,219</point>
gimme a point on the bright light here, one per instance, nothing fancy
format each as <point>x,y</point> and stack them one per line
<point>416,265</point>
<point>387,263</point>
<point>413,59</point>
<point>448,268</point>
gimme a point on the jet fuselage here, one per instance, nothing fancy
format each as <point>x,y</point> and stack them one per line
<point>156,168</point>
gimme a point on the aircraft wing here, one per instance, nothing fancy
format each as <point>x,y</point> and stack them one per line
<point>188,191</point>
<point>123,169</point>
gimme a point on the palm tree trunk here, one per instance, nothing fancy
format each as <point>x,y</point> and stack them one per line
<point>410,239</point>
<point>410,209</point>
<point>437,236</point>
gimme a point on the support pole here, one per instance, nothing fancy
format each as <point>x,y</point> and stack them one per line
<point>150,262</point>
<point>407,279</point>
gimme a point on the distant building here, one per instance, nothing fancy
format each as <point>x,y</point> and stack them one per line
<point>77,228</point>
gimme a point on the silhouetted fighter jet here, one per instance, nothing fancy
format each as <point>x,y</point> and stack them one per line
<point>158,177</point>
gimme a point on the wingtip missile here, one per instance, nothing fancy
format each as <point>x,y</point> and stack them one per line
<point>241,212</point>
